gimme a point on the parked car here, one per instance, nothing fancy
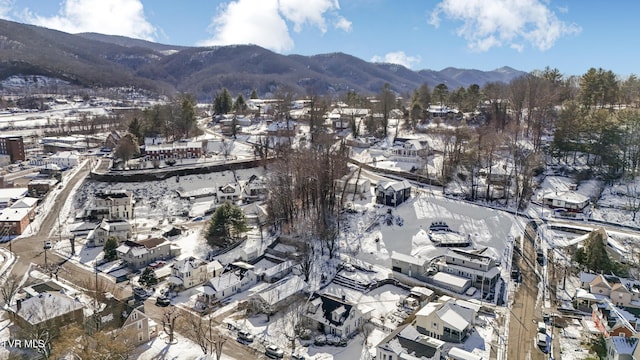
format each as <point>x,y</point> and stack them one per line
<point>297,356</point>
<point>47,245</point>
<point>163,301</point>
<point>273,352</point>
<point>320,340</point>
<point>157,264</point>
<point>244,337</point>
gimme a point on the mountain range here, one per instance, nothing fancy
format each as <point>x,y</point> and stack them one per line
<point>100,61</point>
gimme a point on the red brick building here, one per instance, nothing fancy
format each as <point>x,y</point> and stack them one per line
<point>12,146</point>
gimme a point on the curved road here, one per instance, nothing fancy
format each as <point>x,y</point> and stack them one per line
<point>29,250</point>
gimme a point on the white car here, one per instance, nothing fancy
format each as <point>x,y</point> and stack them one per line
<point>274,352</point>
<point>47,245</point>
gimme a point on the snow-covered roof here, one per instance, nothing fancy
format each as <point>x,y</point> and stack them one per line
<point>282,290</point>
<point>46,306</point>
<point>445,278</point>
<point>459,354</point>
<point>566,196</point>
<point>13,214</point>
<point>456,317</point>
<point>585,295</point>
<point>223,281</point>
<point>8,194</point>
<point>586,277</point>
<point>407,258</point>
<point>26,202</point>
<point>409,344</point>
<point>188,264</point>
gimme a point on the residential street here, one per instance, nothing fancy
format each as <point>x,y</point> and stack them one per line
<point>525,313</point>
<point>29,250</point>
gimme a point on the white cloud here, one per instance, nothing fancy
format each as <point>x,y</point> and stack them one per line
<point>264,22</point>
<point>343,24</point>
<point>398,57</point>
<point>250,22</point>
<point>113,17</point>
<point>493,23</point>
<point>309,11</point>
<point>5,8</point>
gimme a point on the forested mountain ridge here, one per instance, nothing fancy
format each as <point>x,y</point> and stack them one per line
<point>96,60</point>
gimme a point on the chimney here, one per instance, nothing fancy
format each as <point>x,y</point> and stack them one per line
<point>344,298</point>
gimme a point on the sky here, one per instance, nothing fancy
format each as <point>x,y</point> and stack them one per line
<point>570,35</point>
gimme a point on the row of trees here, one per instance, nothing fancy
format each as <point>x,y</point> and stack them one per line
<point>173,121</point>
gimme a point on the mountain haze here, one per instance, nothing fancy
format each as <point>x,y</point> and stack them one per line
<point>97,60</point>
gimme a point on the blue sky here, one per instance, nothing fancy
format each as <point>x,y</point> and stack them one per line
<point>571,35</point>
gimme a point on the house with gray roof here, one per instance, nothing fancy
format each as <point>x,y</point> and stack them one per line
<point>53,308</point>
<point>140,253</point>
<point>406,342</point>
<point>236,278</point>
<point>393,193</point>
<point>446,319</point>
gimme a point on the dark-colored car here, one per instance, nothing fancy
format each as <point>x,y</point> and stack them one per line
<point>163,301</point>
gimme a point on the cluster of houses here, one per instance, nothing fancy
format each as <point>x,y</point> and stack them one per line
<point>50,305</point>
<point>439,322</point>
<point>614,303</point>
<point>17,211</point>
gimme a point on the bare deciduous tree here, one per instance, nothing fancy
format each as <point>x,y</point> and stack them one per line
<point>169,322</point>
<point>10,286</point>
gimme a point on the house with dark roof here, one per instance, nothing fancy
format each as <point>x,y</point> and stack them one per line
<point>393,193</point>
<point>406,342</point>
<point>140,253</point>
<point>334,316</point>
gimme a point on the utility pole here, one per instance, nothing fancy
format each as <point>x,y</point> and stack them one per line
<point>46,267</point>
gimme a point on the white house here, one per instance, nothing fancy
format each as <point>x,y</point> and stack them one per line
<point>229,192</point>
<point>140,253</point>
<point>570,200</point>
<point>238,277</point>
<point>189,272</point>
<point>481,269</point>
<point>119,229</point>
<point>408,151</point>
<point>334,316</point>
<point>447,319</point>
<point>64,159</point>
<point>114,204</point>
